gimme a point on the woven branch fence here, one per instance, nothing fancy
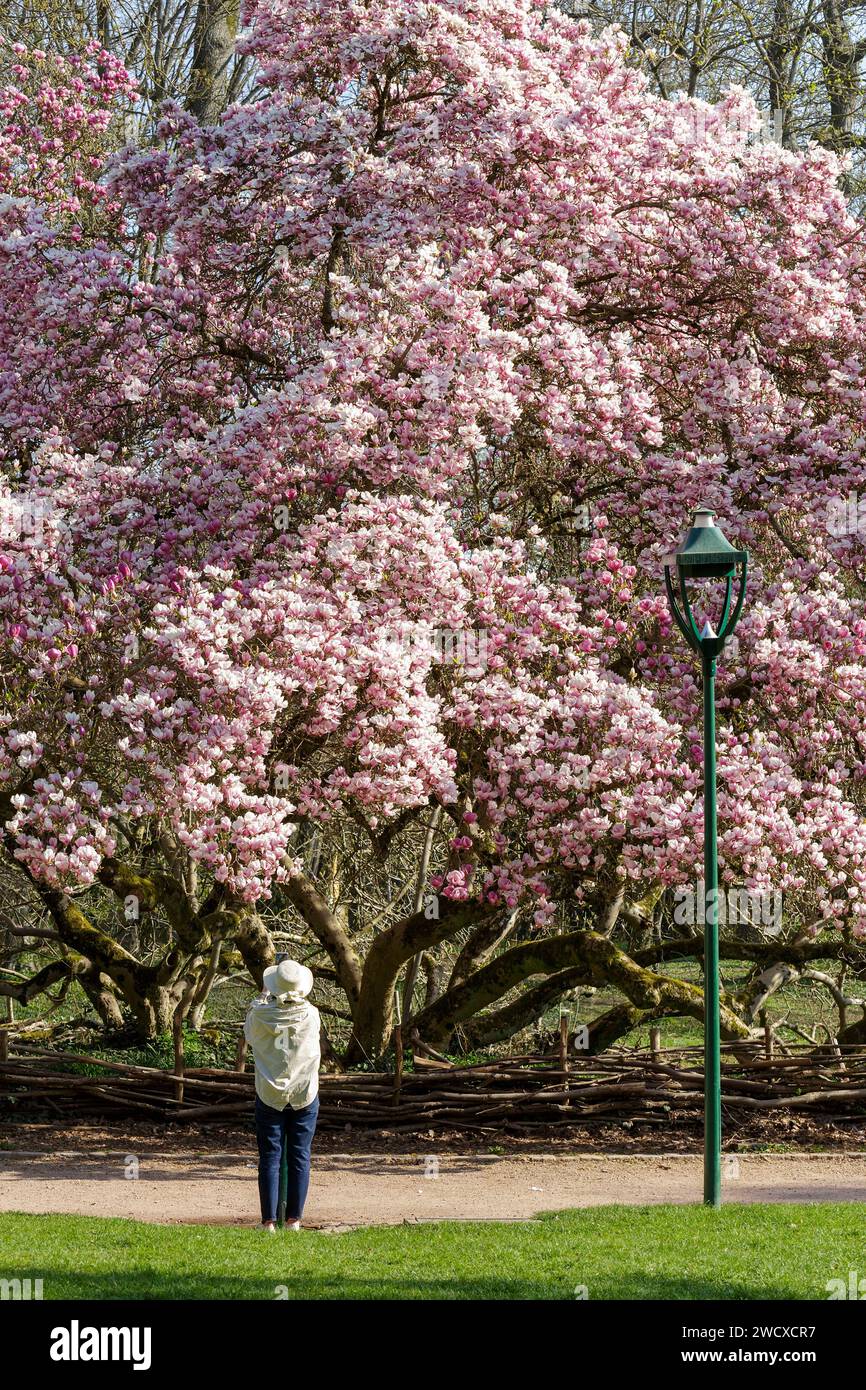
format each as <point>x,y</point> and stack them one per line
<point>520,1093</point>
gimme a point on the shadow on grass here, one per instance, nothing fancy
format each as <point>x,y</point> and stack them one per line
<point>152,1285</point>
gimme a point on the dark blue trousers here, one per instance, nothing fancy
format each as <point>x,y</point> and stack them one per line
<point>299,1126</point>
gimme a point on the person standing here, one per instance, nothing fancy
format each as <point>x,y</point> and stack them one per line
<point>282,1029</point>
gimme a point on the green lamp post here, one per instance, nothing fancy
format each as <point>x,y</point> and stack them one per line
<point>705,554</point>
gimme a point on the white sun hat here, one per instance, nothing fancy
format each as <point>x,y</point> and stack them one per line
<point>288,977</point>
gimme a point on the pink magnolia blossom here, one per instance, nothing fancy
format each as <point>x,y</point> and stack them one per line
<point>290,401</point>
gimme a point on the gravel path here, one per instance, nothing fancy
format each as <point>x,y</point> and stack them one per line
<point>364,1189</point>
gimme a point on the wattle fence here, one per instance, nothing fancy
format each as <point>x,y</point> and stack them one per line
<point>514,1095</point>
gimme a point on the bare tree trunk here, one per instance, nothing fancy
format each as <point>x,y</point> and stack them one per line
<point>842,56</point>
<point>372,1015</point>
<point>698,54</point>
<point>420,889</point>
<point>201,993</point>
<point>216,23</point>
<point>103,23</point>
<point>781,55</point>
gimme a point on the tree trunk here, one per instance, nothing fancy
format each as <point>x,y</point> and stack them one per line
<point>374,1012</point>
<point>589,958</point>
<point>782,50</point>
<point>841,60</point>
<point>214,34</point>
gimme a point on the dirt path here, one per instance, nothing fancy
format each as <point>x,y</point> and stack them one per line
<point>363,1189</point>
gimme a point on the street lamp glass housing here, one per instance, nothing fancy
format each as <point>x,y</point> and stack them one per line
<point>705,554</point>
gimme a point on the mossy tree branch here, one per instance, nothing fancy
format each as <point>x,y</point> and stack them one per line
<point>601,963</point>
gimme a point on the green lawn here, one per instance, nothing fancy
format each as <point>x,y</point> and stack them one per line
<point>742,1252</point>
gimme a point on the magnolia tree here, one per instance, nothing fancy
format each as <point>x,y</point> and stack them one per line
<point>342,442</point>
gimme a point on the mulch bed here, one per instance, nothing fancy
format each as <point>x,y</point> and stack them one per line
<point>682,1135</point>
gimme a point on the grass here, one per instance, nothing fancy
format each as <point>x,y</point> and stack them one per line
<point>669,1253</point>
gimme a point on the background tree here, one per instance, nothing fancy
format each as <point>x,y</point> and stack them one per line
<point>303,413</point>
<point>801,59</point>
<point>211,78</point>
<point>177,50</point>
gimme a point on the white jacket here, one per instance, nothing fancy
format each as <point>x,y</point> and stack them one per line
<point>284,1037</point>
